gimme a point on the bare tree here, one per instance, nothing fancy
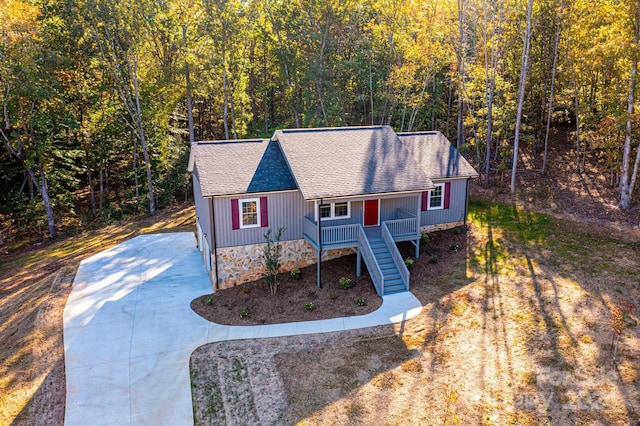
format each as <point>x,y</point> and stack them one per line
<point>523,82</point>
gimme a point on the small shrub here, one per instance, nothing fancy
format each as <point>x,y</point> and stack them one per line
<point>360,301</point>
<point>457,231</point>
<point>271,258</point>
<point>425,238</point>
<point>345,282</point>
<point>244,312</point>
<point>210,300</point>
<point>245,290</point>
<point>454,246</point>
<point>309,306</point>
<point>434,259</point>
<point>296,274</point>
<point>332,296</point>
<point>410,263</point>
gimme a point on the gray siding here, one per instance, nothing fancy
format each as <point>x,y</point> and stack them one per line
<point>457,206</point>
<point>389,206</point>
<point>286,209</point>
<point>203,210</point>
<point>356,215</point>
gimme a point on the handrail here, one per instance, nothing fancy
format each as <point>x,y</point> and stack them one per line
<point>369,259</point>
<point>400,212</point>
<point>402,226</point>
<point>310,229</point>
<point>340,234</point>
<point>395,255</point>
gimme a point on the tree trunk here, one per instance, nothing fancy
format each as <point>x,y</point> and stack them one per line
<point>459,136</point>
<point>550,106</point>
<point>187,77</point>
<point>523,82</point>
<point>626,187</point>
<point>626,184</point>
<point>47,204</point>
<point>143,140</point>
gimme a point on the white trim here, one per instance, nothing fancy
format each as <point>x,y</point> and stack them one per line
<point>242,194</point>
<point>333,210</point>
<point>380,195</point>
<point>240,212</point>
<point>441,206</point>
<point>364,213</point>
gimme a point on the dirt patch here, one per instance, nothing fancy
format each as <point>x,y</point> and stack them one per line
<point>510,333</point>
<point>291,302</point>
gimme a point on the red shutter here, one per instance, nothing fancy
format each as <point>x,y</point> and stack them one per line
<point>264,212</point>
<point>235,215</point>
<point>425,201</point>
<point>447,194</point>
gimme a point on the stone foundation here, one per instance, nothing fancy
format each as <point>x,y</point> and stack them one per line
<point>440,227</point>
<point>241,264</point>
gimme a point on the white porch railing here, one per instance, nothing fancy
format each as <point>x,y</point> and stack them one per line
<point>340,234</point>
<point>395,255</point>
<point>370,260</point>
<point>331,235</point>
<point>402,226</point>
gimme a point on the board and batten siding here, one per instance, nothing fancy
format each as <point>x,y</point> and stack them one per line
<point>203,210</point>
<point>457,206</point>
<point>389,206</point>
<point>354,219</point>
<point>285,209</point>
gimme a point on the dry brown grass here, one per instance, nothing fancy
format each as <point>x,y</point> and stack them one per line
<point>515,330</point>
<point>34,286</point>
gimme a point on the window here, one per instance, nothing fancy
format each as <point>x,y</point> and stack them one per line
<point>436,197</point>
<point>250,213</point>
<point>340,210</point>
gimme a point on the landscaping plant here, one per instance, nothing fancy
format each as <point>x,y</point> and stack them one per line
<point>360,301</point>
<point>309,306</point>
<point>296,274</point>
<point>244,312</point>
<point>272,259</point>
<point>345,282</point>
<point>621,319</point>
<point>410,263</point>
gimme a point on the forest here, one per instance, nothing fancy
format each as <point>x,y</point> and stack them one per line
<point>101,98</point>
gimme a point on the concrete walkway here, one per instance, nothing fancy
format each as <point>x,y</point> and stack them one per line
<point>129,331</point>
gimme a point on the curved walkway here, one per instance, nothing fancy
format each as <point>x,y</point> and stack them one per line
<point>129,331</point>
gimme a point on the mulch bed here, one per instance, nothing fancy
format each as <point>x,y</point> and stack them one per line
<point>288,305</point>
<point>330,301</point>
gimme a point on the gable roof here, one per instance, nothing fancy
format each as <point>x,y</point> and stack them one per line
<point>436,155</point>
<point>349,161</point>
<point>240,167</point>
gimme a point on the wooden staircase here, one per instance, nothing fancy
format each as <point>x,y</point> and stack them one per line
<point>393,282</point>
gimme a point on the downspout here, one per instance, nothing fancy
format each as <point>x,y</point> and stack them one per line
<point>215,244</point>
<point>319,245</point>
<point>466,203</point>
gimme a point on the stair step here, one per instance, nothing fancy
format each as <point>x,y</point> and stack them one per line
<point>394,289</point>
<point>392,276</point>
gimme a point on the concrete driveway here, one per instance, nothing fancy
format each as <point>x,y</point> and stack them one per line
<point>129,331</point>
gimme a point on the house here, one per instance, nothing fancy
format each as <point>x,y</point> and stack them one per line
<point>371,187</point>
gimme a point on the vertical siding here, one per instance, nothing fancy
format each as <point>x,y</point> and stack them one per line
<point>286,209</point>
<point>203,210</point>
<point>389,206</point>
<point>456,210</point>
<point>356,214</point>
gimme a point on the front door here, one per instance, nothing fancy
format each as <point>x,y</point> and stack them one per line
<point>371,212</point>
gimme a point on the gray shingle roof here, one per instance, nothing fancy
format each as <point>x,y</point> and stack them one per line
<point>437,156</point>
<point>238,167</point>
<point>347,161</point>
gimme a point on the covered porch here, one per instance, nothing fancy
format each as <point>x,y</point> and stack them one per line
<point>375,244</point>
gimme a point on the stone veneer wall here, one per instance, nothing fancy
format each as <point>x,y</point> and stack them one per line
<point>241,264</point>
<point>440,226</point>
